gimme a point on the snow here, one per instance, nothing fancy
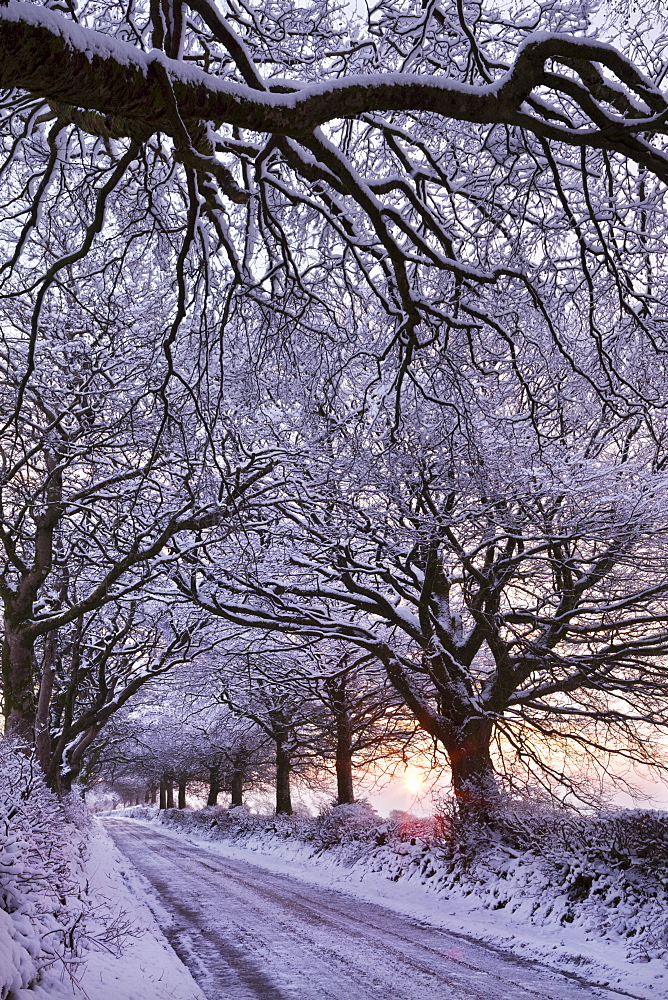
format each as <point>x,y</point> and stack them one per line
<point>124,956</point>
<point>74,919</point>
<point>96,44</point>
<point>42,907</point>
<point>396,877</point>
<point>250,933</point>
<point>273,934</point>
<point>143,965</point>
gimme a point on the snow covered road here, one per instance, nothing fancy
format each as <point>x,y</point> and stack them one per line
<point>251,934</point>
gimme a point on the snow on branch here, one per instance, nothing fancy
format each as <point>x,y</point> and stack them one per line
<point>48,55</point>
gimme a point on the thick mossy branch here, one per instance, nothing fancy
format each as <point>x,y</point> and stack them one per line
<point>104,126</point>
<point>47,55</point>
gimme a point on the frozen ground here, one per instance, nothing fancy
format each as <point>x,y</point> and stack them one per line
<point>251,931</point>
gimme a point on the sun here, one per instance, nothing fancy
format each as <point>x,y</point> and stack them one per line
<point>413,782</point>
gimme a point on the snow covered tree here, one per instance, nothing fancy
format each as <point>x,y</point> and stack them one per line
<point>171,735</point>
<point>235,752</point>
<point>452,165</point>
<point>99,476</point>
<point>366,726</point>
<point>208,205</point>
<point>146,746</point>
<point>99,665</point>
<point>264,684</point>
<point>512,586</point>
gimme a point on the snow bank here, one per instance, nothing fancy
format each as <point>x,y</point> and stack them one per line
<point>41,902</point>
<point>73,921</point>
<point>132,959</point>
<point>588,896</point>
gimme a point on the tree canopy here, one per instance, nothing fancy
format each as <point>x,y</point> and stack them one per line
<point>349,324</point>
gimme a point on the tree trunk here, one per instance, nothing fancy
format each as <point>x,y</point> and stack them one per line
<point>182,794</point>
<point>42,732</point>
<point>214,785</point>
<point>62,745</point>
<point>345,792</point>
<point>473,779</point>
<point>238,788</point>
<point>163,793</point>
<point>154,793</point>
<point>70,767</point>
<point>283,798</point>
<point>169,782</point>
<point>18,683</point>
<point>344,760</point>
<point>466,737</point>
<point>18,652</point>
<point>239,766</point>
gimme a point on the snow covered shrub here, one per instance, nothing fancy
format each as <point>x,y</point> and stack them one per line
<point>359,822</point>
<point>136,812</point>
<point>607,874</point>
<point>40,899</point>
<point>407,827</point>
<point>345,823</point>
<point>75,810</point>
